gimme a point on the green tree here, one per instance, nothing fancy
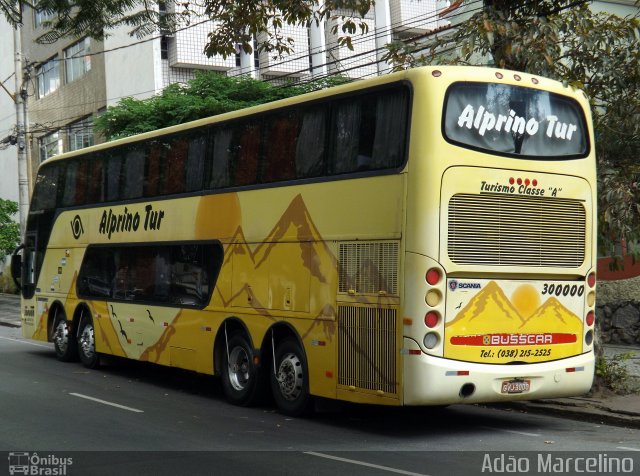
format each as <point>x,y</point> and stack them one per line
<point>9,229</point>
<point>237,21</point>
<point>567,41</point>
<point>206,95</point>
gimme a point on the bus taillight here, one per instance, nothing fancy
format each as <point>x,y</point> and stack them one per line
<point>433,276</point>
<point>591,280</point>
<point>431,319</point>
<point>591,317</point>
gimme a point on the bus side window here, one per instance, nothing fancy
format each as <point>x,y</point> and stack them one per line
<point>96,182</point>
<point>346,131</point>
<point>72,184</point>
<point>280,147</point>
<point>221,158</point>
<point>389,139</point>
<point>152,170</point>
<point>311,144</point>
<point>114,166</point>
<point>195,160</point>
<point>175,165</point>
<point>131,173</point>
<point>247,153</point>
<point>46,188</point>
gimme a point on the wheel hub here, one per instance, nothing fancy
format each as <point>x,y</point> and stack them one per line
<point>290,377</point>
<point>238,368</point>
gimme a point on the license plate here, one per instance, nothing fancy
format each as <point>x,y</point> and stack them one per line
<point>516,386</point>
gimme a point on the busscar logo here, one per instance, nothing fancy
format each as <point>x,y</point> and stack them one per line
<point>76,227</point>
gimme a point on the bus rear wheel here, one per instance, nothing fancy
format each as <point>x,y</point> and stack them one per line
<point>240,375</point>
<point>64,342</point>
<point>290,379</point>
<point>87,345</point>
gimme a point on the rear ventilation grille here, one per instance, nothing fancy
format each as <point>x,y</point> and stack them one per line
<point>367,348</point>
<point>512,230</point>
<point>369,267</point>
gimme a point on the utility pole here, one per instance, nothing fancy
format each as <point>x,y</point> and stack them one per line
<point>20,98</point>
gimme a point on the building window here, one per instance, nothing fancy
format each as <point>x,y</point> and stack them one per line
<point>77,60</point>
<point>41,16</point>
<point>48,76</point>
<point>164,48</point>
<point>49,146</point>
<point>81,134</point>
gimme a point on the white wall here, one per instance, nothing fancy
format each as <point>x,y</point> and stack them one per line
<point>135,71</point>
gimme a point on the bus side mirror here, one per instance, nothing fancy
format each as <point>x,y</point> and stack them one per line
<point>16,267</point>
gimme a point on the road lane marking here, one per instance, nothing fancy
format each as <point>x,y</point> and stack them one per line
<point>363,463</point>
<point>628,448</point>
<point>26,342</point>
<point>513,431</point>
<point>104,402</point>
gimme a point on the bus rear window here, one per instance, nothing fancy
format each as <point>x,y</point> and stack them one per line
<point>514,121</point>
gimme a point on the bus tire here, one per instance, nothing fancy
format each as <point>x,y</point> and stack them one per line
<point>290,379</point>
<point>240,375</point>
<point>64,342</point>
<point>87,345</point>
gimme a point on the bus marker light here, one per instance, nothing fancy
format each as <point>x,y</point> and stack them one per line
<point>499,75</point>
<point>318,343</point>
<point>407,321</point>
<point>512,181</point>
<point>430,340</point>
<point>591,317</point>
<point>433,276</point>
<point>534,182</point>
<point>517,77</point>
<point>131,319</point>
<point>527,182</point>
<point>436,73</point>
<point>433,298</point>
<point>455,373</point>
<point>574,369</point>
<point>431,319</point>
<point>328,374</point>
<point>588,338</point>
<point>591,280</point>
<point>165,324</point>
<point>411,352</point>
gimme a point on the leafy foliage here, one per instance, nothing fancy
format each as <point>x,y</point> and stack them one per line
<point>206,95</point>
<point>236,21</point>
<point>564,40</point>
<point>9,229</point>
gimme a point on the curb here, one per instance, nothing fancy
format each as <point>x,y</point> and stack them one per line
<point>590,412</point>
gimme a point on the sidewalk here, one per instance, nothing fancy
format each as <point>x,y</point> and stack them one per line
<point>599,406</point>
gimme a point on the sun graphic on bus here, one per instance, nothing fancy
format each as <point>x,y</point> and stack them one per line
<point>526,300</point>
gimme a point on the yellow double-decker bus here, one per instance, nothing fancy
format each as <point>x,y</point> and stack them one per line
<point>422,238</point>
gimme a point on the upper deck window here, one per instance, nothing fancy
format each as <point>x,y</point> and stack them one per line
<point>515,121</point>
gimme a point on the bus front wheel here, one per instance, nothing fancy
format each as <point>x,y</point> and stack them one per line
<point>289,380</point>
<point>87,345</point>
<point>64,342</point>
<point>240,375</point>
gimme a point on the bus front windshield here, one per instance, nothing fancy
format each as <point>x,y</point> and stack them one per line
<point>514,121</point>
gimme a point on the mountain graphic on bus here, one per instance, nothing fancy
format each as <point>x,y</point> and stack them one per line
<point>488,311</point>
<point>552,316</point>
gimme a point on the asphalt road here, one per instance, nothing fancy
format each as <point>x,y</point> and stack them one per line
<point>132,418</point>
